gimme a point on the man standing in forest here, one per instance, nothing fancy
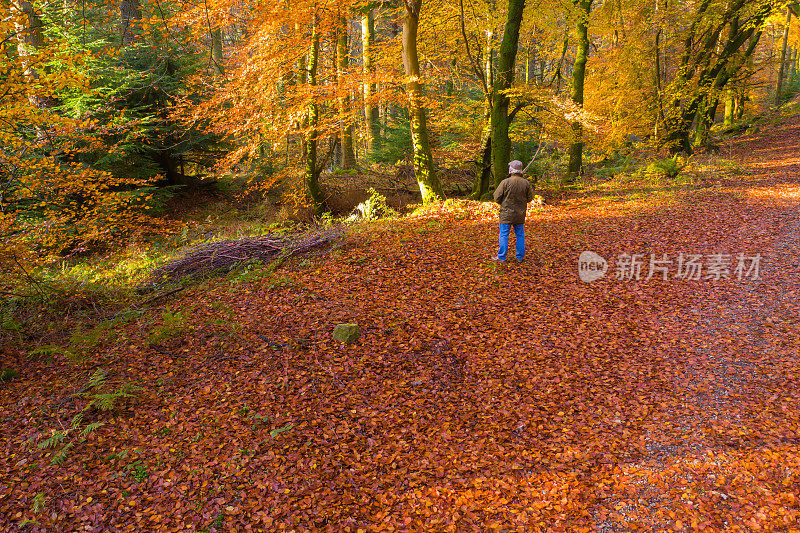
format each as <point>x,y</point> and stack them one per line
<point>513,195</point>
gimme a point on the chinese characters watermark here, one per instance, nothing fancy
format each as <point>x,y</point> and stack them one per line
<point>687,267</point>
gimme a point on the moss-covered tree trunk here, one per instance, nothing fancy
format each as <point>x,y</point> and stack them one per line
<point>578,79</point>
<point>311,170</point>
<point>782,65</point>
<point>484,176</point>
<point>730,105</point>
<point>705,119</point>
<point>371,111</point>
<point>713,65</point>
<point>30,37</point>
<point>504,79</point>
<point>346,133</point>
<point>423,160</point>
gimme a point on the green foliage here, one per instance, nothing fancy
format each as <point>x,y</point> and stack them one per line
<point>66,438</point>
<point>326,220</point>
<point>102,399</point>
<point>174,325</point>
<point>431,226</point>
<point>7,374</point>
<point>277,431</point>
<point>130,104</point>
<point>119,455</point>
<point>540,166</point>
<point>617,165</point>
<point>48,350</point>
<point>8,321</point>
<point>396,143</point>
<point>375,206</point>
<point>791,87</point>
<point>38,505</point>
<point>282,282</point>
<point>114,152</point>
<point>248,271</point>
<point>669,167</point>
<point>39,502</point>
<point>137,470</point>
<point>83,341</point>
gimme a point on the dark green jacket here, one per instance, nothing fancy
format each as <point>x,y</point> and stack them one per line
<point>513,195</point>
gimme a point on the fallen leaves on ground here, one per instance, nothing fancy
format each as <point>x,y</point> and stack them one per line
<point>478,397</point>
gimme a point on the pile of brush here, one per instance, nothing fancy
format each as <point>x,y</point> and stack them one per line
<point>223,256</point>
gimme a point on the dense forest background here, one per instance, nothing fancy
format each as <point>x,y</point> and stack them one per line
<point>109,110</point>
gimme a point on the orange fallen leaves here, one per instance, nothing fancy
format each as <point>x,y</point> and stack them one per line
<point>478,397</point>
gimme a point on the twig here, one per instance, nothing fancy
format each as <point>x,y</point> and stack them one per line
<point>164,295</point>
<point>164,352</point>
<point>478,71</point>
<point>16,294</point>
<point>272,344</point>
<point>30,278</point>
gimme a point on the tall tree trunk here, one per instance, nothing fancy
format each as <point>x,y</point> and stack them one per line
<point>782,64</point>
<point>216,52</point>
<point>504,79</point>
<point>342,57</point>
<point>705,119</point>
<point>484,175</point>
<point>712,76</point>
<point>557,76</point>
<point>730,105</point>
<point>371,112</point>
<point>30,38</point>
<point>129,13</point>
<point>449,86</point>
<point>423,160</point>
<point>659,95</point>
<point>531,60</point>
<point>485,74</point>
<point>578,77</point>
<point>659,91</point>
<point>311,170</point>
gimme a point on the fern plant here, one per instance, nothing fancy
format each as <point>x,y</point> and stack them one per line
<point>375,206</point>
<point>99,399</point>
<point>175,325</point>
<point>669,167</point>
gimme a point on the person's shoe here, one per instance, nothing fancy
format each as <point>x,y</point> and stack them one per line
<point>521,260</point>
<point>497,259</point>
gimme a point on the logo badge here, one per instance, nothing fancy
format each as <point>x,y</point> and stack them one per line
<point>591,266</point>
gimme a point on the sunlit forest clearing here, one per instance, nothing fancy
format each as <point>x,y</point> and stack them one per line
<point>251,277</point>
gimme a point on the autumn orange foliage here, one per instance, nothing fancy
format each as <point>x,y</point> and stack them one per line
<point>52,201</point>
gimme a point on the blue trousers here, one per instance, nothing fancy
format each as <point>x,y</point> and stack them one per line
<point>519,233</point>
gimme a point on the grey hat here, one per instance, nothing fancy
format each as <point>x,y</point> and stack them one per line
<point>515,167</point>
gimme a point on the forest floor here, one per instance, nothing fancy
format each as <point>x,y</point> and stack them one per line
<point>480,396</point>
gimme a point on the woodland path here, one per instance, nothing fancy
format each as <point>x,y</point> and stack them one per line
<point>479,396</point>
